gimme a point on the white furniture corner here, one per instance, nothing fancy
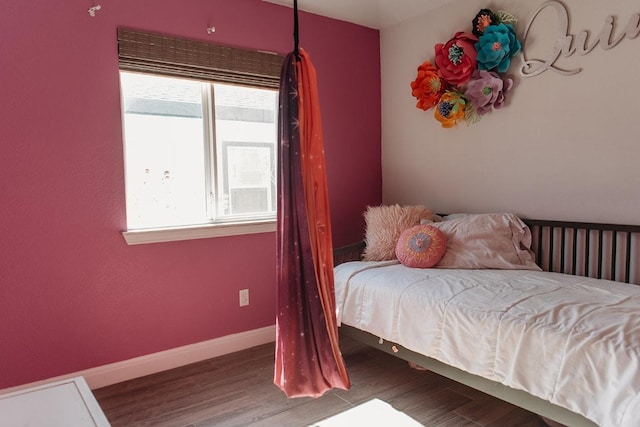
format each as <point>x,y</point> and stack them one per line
<point>61,403</point>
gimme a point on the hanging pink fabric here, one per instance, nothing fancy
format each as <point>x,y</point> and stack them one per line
<point>308,361</point>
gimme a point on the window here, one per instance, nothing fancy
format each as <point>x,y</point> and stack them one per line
<point>200,146</point>
<point>187,163</point>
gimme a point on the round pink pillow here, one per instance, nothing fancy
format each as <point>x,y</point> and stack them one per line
<point>421,246</point>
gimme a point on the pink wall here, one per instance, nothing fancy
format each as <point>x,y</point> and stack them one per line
<point>73,295</point>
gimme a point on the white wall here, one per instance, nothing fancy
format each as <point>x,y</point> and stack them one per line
<point>564,147</point>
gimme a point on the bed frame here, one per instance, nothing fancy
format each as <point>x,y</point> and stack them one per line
<point>604,251</point>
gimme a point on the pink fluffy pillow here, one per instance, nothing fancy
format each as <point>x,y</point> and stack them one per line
<point>384,224</point>
<point>421,246</point>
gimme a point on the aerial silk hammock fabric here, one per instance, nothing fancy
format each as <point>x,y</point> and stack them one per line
<point>308,361</point>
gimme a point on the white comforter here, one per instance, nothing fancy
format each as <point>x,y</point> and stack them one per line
<point>571,340</point>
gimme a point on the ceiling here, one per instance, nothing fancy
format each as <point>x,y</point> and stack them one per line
<point>376,14</point>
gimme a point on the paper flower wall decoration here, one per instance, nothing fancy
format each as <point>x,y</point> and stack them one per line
<point>483,19</point>
<point>466,79</point>
<point>456,59</point>
<point>427,87</point>
<point>450,109</point>
<point>496,47</point>
<point>486,91</point>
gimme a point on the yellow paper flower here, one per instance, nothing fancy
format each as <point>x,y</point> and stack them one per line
<point>450,109</point>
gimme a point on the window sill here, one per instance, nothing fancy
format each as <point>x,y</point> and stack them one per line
<point>157,235</point>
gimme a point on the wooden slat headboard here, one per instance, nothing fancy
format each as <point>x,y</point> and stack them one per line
<point>352,252</point>
<point>603,251</point>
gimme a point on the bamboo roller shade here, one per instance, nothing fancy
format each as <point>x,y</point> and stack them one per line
<point>161,54</point>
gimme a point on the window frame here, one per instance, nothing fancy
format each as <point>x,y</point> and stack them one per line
<point>163,55</point>
<point>205,231</point>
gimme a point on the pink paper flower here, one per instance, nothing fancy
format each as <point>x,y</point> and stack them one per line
<point>486,91</point>
<point>456,59</point>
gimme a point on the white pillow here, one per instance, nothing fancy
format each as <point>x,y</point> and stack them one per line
<point>496,241</point>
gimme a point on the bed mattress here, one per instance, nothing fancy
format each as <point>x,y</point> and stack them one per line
<point>570,340</point>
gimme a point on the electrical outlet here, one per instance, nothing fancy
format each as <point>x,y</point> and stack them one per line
<point>244,297</point>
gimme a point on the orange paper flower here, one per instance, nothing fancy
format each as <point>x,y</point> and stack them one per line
<point>450,109</point>
<point>427,87</point>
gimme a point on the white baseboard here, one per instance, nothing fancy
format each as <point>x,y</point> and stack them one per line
<point>113,373</point>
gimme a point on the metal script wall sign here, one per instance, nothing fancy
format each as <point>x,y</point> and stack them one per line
<point>564,44</point>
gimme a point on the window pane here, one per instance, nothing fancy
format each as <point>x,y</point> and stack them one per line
<point>246,134</point>
<point>164,151</point>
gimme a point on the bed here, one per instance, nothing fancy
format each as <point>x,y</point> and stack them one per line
<point>560,338</point>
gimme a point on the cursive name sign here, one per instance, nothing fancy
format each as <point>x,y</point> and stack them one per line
<point>564,44</point>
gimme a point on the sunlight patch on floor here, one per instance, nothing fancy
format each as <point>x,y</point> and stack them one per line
<point>374,412</point>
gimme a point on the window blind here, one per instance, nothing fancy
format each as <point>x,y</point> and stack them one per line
<point>177,57</point>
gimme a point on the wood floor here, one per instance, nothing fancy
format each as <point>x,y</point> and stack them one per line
<point>237,390</point>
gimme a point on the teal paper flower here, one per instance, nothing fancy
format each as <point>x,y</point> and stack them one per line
<point>496,47</point>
